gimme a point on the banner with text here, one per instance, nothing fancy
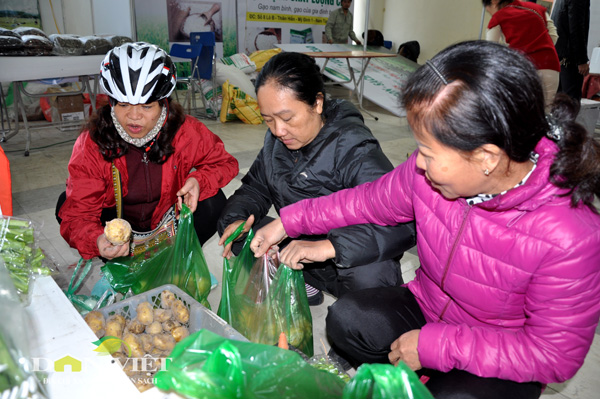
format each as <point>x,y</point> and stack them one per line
<point>264,23</point>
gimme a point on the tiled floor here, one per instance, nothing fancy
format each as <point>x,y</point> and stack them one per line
<point>39,178</point>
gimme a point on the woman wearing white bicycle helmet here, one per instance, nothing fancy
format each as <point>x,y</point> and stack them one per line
<point>163,156</point>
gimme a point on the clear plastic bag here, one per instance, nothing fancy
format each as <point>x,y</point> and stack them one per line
<point>17,379</point>
<point>23,258</point>
<point>261,299</point>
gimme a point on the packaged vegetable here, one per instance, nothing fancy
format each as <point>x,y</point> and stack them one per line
<point>22,257</point>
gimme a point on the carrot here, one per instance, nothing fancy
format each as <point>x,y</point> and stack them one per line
<point>283,343</point>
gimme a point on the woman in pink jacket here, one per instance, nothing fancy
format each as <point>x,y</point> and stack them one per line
<point>507,297</point>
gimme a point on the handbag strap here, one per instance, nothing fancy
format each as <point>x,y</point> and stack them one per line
<point>116,176</point>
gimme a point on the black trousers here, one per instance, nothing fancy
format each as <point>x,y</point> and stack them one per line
<point>570,81</point>
<point>205,217</point>
<point>337,281</point>
<point>362,325</point>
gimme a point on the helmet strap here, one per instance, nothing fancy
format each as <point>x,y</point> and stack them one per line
<point>139,142</point>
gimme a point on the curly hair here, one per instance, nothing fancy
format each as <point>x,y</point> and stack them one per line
<point>104,134</point>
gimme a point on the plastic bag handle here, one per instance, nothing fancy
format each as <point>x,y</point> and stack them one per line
<point>235,234</point>
<point>72,288</point>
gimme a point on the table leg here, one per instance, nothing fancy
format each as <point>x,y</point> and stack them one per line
<point>359,92</point>
<point>16,108</point>
<point>19,105</point>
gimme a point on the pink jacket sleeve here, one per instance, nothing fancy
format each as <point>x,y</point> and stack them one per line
<point>385,201</point>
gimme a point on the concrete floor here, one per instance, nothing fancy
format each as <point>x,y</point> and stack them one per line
<point>39,178</point>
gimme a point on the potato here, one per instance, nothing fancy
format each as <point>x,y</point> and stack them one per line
<point>117,231</point>
<point>145,313</point>
<point>180,312</point>
<point>154,328</point>
<point>118,318</point>
<point>147,343</point>
<point>170,325</point>
<point>135,345</point>
<point>166,299</point>
<point>95,320</point>
<point>135,327</point>
<point>162,315</point>
<point>164,342</point>
<point>180,333</point>
<point>114,328</point>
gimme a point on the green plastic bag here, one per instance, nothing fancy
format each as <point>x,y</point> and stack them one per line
<point>179,261</point>
<point>382,381</point>
<point>206,365</point>
<point>261,299</point>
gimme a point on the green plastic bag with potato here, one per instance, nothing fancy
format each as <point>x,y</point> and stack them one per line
<point>262,299</point>
<point>178,260</point>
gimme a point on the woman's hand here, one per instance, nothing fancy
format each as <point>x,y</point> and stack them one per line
<point>405,349</point>
<point>190,193</point>
<point>271,234</point>
<point>108,250</point>
<point>229,231</point>
<point>306,252</point>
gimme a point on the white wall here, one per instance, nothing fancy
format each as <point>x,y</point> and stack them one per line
<point>434,24</point>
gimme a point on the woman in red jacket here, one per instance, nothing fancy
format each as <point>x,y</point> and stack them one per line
<point>163,157</point>
<point>527,27</point>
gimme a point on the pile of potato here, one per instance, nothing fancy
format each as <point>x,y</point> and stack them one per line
<point>147,338</point>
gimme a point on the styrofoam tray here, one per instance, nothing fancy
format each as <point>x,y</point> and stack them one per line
<point>200,316</point>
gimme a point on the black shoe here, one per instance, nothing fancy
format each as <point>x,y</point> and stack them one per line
<point>317,299</point>
<point>343,364</point>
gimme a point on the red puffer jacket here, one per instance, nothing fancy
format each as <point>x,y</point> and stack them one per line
<point>510,288</point>
<point>90,185</point>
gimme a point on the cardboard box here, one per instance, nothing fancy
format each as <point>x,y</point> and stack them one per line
<point>70,111</point>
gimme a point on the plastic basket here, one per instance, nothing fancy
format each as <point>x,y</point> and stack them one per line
<point>200,316</point>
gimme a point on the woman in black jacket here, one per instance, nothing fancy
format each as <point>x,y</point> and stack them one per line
<point>315,147</point>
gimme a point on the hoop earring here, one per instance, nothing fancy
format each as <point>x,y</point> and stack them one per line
<point>486,172</point>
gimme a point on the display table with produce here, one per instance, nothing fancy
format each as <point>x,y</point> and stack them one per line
<point>62,339</point>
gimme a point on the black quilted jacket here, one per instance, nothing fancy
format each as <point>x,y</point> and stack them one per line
<point>344,154</point>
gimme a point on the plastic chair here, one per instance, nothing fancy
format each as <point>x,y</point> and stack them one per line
<point>187,52</point>
<point>199,56</point>
<point>206,67</point>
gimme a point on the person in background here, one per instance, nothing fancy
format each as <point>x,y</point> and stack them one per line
<point>572,20</point>
<point>163,156</point>
<point>507,296</point>
<point>527,27</point>
<point>374,38</point>
<point>314,147</point>
<point>410,50</point>
<point>339,25</point>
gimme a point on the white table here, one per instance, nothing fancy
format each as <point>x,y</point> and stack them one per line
<point>60,331</point>
<point>21,69</point>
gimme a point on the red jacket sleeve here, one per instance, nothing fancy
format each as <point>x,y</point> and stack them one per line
<point>86,191</point>
<point>214,167</point>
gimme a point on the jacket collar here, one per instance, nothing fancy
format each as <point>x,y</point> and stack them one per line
<point>537,190</point>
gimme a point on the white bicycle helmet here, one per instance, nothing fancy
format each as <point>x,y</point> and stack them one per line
<point>137,73</point>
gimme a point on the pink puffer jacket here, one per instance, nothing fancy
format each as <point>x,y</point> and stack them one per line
<point>510,288</point>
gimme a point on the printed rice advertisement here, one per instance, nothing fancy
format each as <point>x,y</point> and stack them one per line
<point>262,24</point>
<point>164,22</point>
